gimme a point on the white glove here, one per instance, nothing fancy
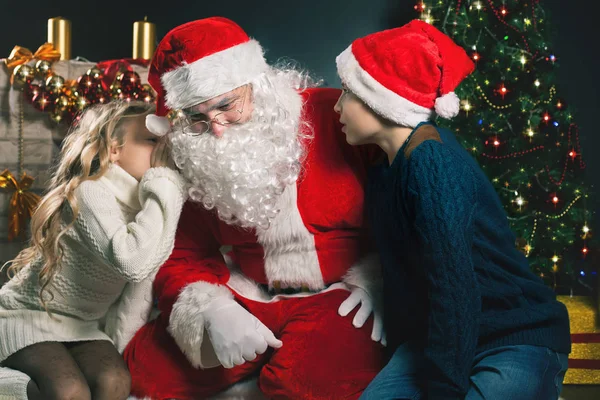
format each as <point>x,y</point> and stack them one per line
<point>236,335</point>
<point>360,296</point>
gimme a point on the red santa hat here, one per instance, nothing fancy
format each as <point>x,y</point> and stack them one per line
<point>406,73</point>
<point>198,61</point>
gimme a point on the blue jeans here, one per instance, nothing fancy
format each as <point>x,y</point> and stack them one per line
<point>503,373</point>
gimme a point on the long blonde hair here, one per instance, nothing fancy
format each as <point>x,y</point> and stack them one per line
<point>84,156</point>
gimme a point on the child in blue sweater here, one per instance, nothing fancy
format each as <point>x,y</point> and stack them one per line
<point>465,316</point>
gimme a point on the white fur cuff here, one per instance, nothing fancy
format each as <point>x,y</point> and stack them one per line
<point>366,274</point>
<point>186,323</point>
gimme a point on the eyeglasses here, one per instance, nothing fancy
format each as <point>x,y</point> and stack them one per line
<point>196,125</point>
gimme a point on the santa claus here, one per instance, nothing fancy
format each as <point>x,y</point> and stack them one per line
<point>272,274</point>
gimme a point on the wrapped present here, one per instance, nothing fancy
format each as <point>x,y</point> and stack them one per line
<point>584,360</point>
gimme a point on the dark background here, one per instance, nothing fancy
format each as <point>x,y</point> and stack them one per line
<point>312,33</point>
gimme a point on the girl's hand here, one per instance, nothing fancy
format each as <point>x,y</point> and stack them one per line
<point>161,155</point>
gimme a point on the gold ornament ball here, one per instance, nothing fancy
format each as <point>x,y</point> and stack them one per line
<point>55,84</point>
<point>80,103</point>
<point>23,74</point>
<point>62,103</point>
<point>56,116</point>
<point>115,87</point>
<point>94,72</point>
<point>71,91</point>
<point>147,88</point>
<point>116,92</point>
<point>43,68</point>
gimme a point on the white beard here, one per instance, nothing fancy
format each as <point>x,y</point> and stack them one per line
<point>243,173</point>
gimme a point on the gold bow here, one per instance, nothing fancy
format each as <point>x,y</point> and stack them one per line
<point>21,55</point>
<point>22,203</point>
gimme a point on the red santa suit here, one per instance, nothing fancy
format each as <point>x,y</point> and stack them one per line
<point>317,247</point>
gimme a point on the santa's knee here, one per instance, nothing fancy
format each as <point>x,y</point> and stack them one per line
<point>284,382</point>
<point>294,381</point>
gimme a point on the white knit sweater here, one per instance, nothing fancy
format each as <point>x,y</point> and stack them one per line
<point>124,232</point>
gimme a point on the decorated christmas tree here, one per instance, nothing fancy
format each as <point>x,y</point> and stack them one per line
<point>523,133</point>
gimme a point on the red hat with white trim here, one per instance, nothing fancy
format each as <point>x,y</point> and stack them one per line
<point>406,74</point>
<point>198,61</point>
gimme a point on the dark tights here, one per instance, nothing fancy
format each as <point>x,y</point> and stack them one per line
<point>91,370</point>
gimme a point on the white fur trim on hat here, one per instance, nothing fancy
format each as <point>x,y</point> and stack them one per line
<point>213,75</point>
<point>157,125</point>
<point>381,99</point>
<point>448,105</point>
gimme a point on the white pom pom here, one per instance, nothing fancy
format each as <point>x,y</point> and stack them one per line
<point>447,106</point>
<point>158,125</point>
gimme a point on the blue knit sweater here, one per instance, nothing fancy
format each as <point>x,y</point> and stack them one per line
<point>454,280</point>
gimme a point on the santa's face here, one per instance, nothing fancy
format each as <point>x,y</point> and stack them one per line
<point>217,114</point>
<point>242,170</point>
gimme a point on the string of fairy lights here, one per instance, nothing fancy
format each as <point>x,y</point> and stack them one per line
<point>514,28</point>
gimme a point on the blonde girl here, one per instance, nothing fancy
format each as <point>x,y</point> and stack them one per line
<point>83,287</point>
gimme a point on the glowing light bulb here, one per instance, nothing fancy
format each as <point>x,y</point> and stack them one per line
<point>537,83</point>
<point>555,259</point>
<point>586,229</point>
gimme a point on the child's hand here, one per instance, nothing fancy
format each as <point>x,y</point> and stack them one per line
<point>161,155</point>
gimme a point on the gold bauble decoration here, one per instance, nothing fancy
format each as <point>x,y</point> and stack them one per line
<point>56,116</point>
<point>23,74</point>
<point>55,84</point>
<point>62,103</point>
<point>43,68</point>
<point>115,90</point>
<point>94,72</point>
<point>80,103</point>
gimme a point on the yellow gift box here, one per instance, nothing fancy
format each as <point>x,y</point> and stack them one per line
<point>584,360</point>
